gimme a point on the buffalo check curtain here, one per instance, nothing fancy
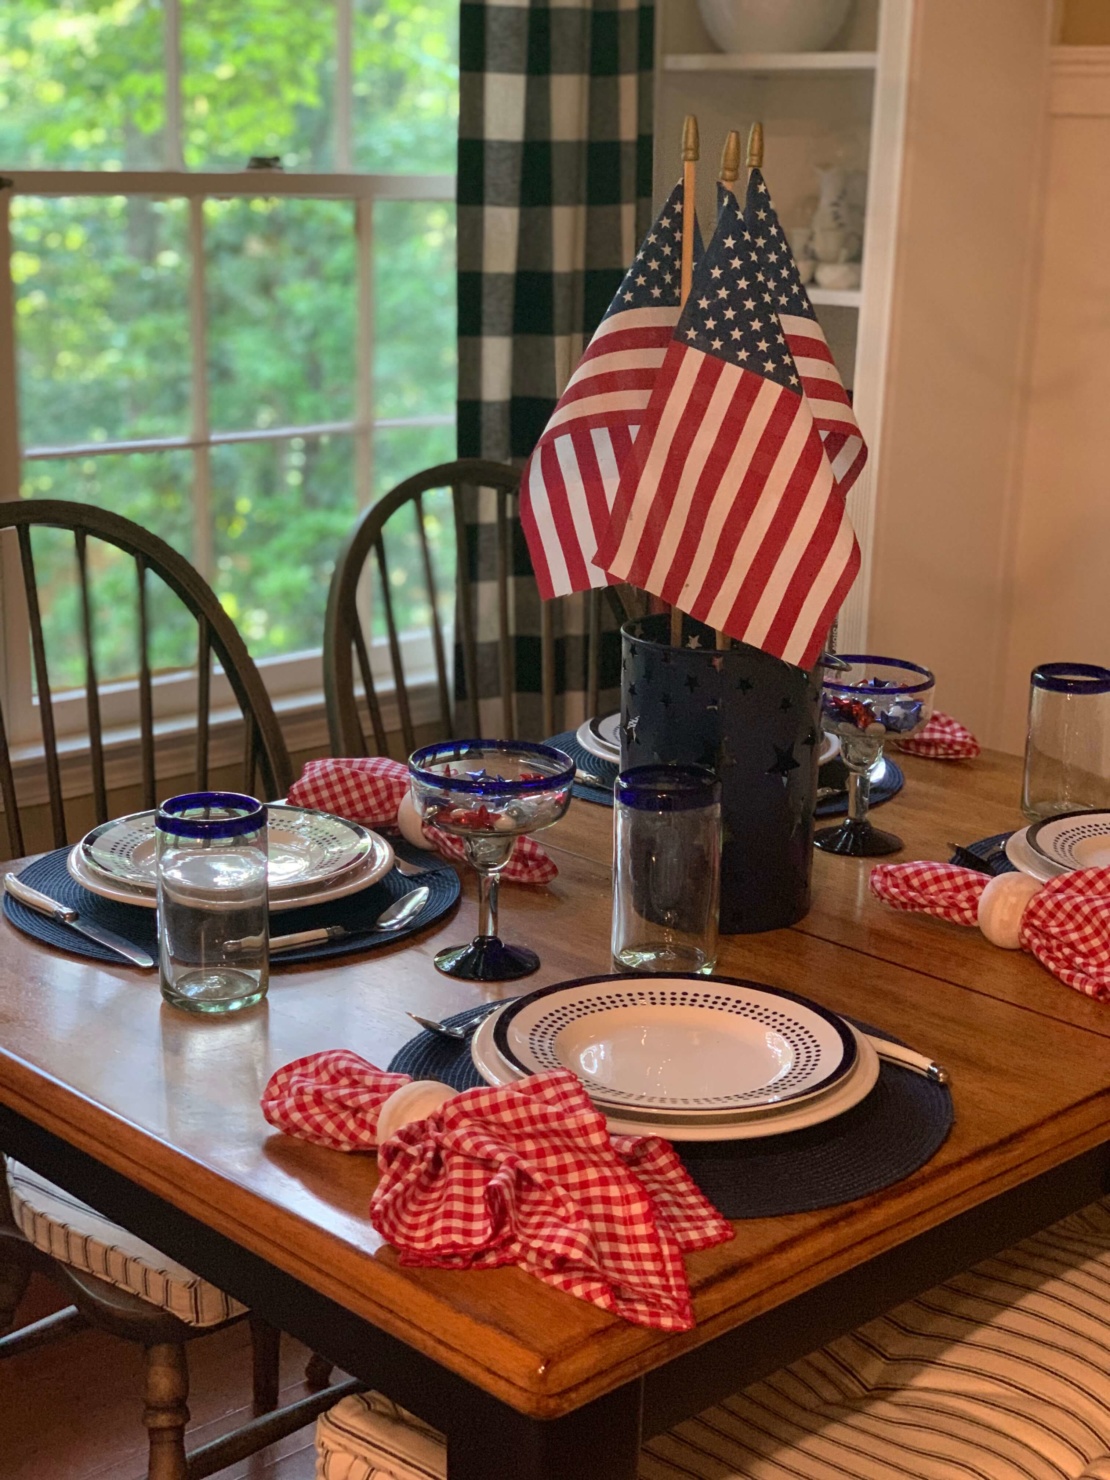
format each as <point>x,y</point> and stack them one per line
<point>554,195</point>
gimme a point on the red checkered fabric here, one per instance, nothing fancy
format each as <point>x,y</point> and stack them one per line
<point>941,889</point>
<point>1066,925</point>
<point>525,1175</point>
<point>331,1098</point>
<point>369,789</point>
<point>943,739</point>
<point>528,1174</point>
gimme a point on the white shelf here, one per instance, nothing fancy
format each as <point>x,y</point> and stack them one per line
<point>784,62</point>
<point>835,297</point>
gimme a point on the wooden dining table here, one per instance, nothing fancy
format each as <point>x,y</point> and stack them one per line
<point>151,1115</point>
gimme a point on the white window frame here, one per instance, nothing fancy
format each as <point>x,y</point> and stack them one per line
<point>292,676</point>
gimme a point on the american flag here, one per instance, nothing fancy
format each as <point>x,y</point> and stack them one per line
<point>568,485</point>
<point>832,411</point>
<point>728,507</point>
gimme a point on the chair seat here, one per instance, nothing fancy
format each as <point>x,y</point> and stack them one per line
<point>76,1235</point>
<point>1001,1373</point>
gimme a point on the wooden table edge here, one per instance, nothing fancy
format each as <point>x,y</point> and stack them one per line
<point>555,1390</point>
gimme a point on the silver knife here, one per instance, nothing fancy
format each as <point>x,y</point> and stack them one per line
<point>35,900</point>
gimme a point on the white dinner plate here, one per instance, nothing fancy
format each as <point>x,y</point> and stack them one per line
<point>376,864</point>
<point>305,848</point>
<point>678,1044</point>
<point>1072,840</point>
<point>847,1093</point>
<point>601,737</point>
<point>1023,858</point>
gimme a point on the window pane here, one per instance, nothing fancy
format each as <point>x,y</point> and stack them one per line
<point>258,78</point>
<point>81,85</point>
<point>154,489</point>
<point>401,451</point>
<point>101,318</point>
<point>281,510</point>
<point>406,86</point>
<point>414,309</point>
<point>282,312</point>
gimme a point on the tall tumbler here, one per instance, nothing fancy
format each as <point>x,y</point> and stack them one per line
<point>1067,746</point>
<point>667,869</point>
<point>213,934</point>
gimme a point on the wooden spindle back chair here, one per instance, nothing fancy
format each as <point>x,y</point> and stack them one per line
<point>347,642</point>
<point>266,762</point>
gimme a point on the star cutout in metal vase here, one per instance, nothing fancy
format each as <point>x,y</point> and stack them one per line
<point>784,762</point>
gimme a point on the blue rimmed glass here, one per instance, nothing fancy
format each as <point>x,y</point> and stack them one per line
<point>1067,743</point>
<point>667,869</point>
<point>213,936</point>
<point>489,793</point>
<point>864,700</point>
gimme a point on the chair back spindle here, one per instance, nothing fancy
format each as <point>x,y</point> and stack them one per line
<point>266,760</point>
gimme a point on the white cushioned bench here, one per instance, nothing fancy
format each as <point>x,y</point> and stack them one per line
<point>1001,1373</point>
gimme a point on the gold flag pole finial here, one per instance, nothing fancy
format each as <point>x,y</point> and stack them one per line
<point>730,158</point>
<point>754,160</point>
<point>690,152</point>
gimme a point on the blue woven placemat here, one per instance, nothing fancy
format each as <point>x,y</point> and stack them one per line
<point>992,851</point>
<point>836,806</point>
<point>50,874</point>
<point>887,1136</point>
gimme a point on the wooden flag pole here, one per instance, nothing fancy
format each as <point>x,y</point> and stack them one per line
<point>754,161</point>
<point>730,169</point>
<point>690,151</point>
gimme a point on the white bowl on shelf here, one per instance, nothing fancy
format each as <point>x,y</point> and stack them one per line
<point>773,25</point>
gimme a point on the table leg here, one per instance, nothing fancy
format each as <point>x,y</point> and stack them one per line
<point>601,1441</point>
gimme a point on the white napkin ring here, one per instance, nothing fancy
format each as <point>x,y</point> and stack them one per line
<point>408,820</point>
<point>413,1101</point>
<point>1001,906</point>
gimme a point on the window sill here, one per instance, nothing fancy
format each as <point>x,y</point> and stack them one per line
<point>302,717</point>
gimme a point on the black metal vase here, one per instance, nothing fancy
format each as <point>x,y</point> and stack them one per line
<point>756,722</point>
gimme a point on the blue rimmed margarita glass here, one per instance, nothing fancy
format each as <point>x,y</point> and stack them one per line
<point>863,700</point>
<point>488,793</point>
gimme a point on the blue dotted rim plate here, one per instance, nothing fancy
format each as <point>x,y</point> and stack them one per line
<point>747,1045</point>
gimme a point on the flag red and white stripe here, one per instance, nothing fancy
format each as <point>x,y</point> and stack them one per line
<point>568,486</point>
<point>729,508</point>
<point>821,383</point>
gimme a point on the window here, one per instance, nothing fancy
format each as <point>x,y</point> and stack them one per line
<point>239,358</point>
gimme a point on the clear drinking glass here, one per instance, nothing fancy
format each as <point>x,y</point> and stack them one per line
<point>213,935</point>
<point>1067,745</point>
<point>667,869</point>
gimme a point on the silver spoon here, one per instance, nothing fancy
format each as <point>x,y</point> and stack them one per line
<point>395,916</point>
<point>455,1030</point>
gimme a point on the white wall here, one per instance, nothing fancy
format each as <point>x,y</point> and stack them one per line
<point>964,290</point>
<point>1061,547</point>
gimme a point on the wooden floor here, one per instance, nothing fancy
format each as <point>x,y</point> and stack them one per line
<point>73,1410</point>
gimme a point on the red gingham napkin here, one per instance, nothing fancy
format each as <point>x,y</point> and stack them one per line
<point>1066,925</point>
<point>942,739</point>
<point>331,1098</point>
<point>526,1174</point>
<point>369,789</point>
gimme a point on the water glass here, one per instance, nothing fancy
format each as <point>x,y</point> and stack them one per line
<point>213,934</point>
<point>1067,745</point>
<point>667,869</point>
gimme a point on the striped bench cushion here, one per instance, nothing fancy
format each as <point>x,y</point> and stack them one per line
<point>1002,1373</point>
<point>75,1234</point>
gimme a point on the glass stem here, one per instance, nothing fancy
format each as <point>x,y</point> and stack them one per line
<point>488,884</point>
<point>859,795</point>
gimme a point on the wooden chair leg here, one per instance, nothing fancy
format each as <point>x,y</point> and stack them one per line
<point>265,1364</point>
<point>317,1373</point>
<point>15,1276</point>
<point>166,1413</point>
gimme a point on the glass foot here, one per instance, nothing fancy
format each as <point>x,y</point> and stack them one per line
<point>487,959</point>
<point>856,838</point>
